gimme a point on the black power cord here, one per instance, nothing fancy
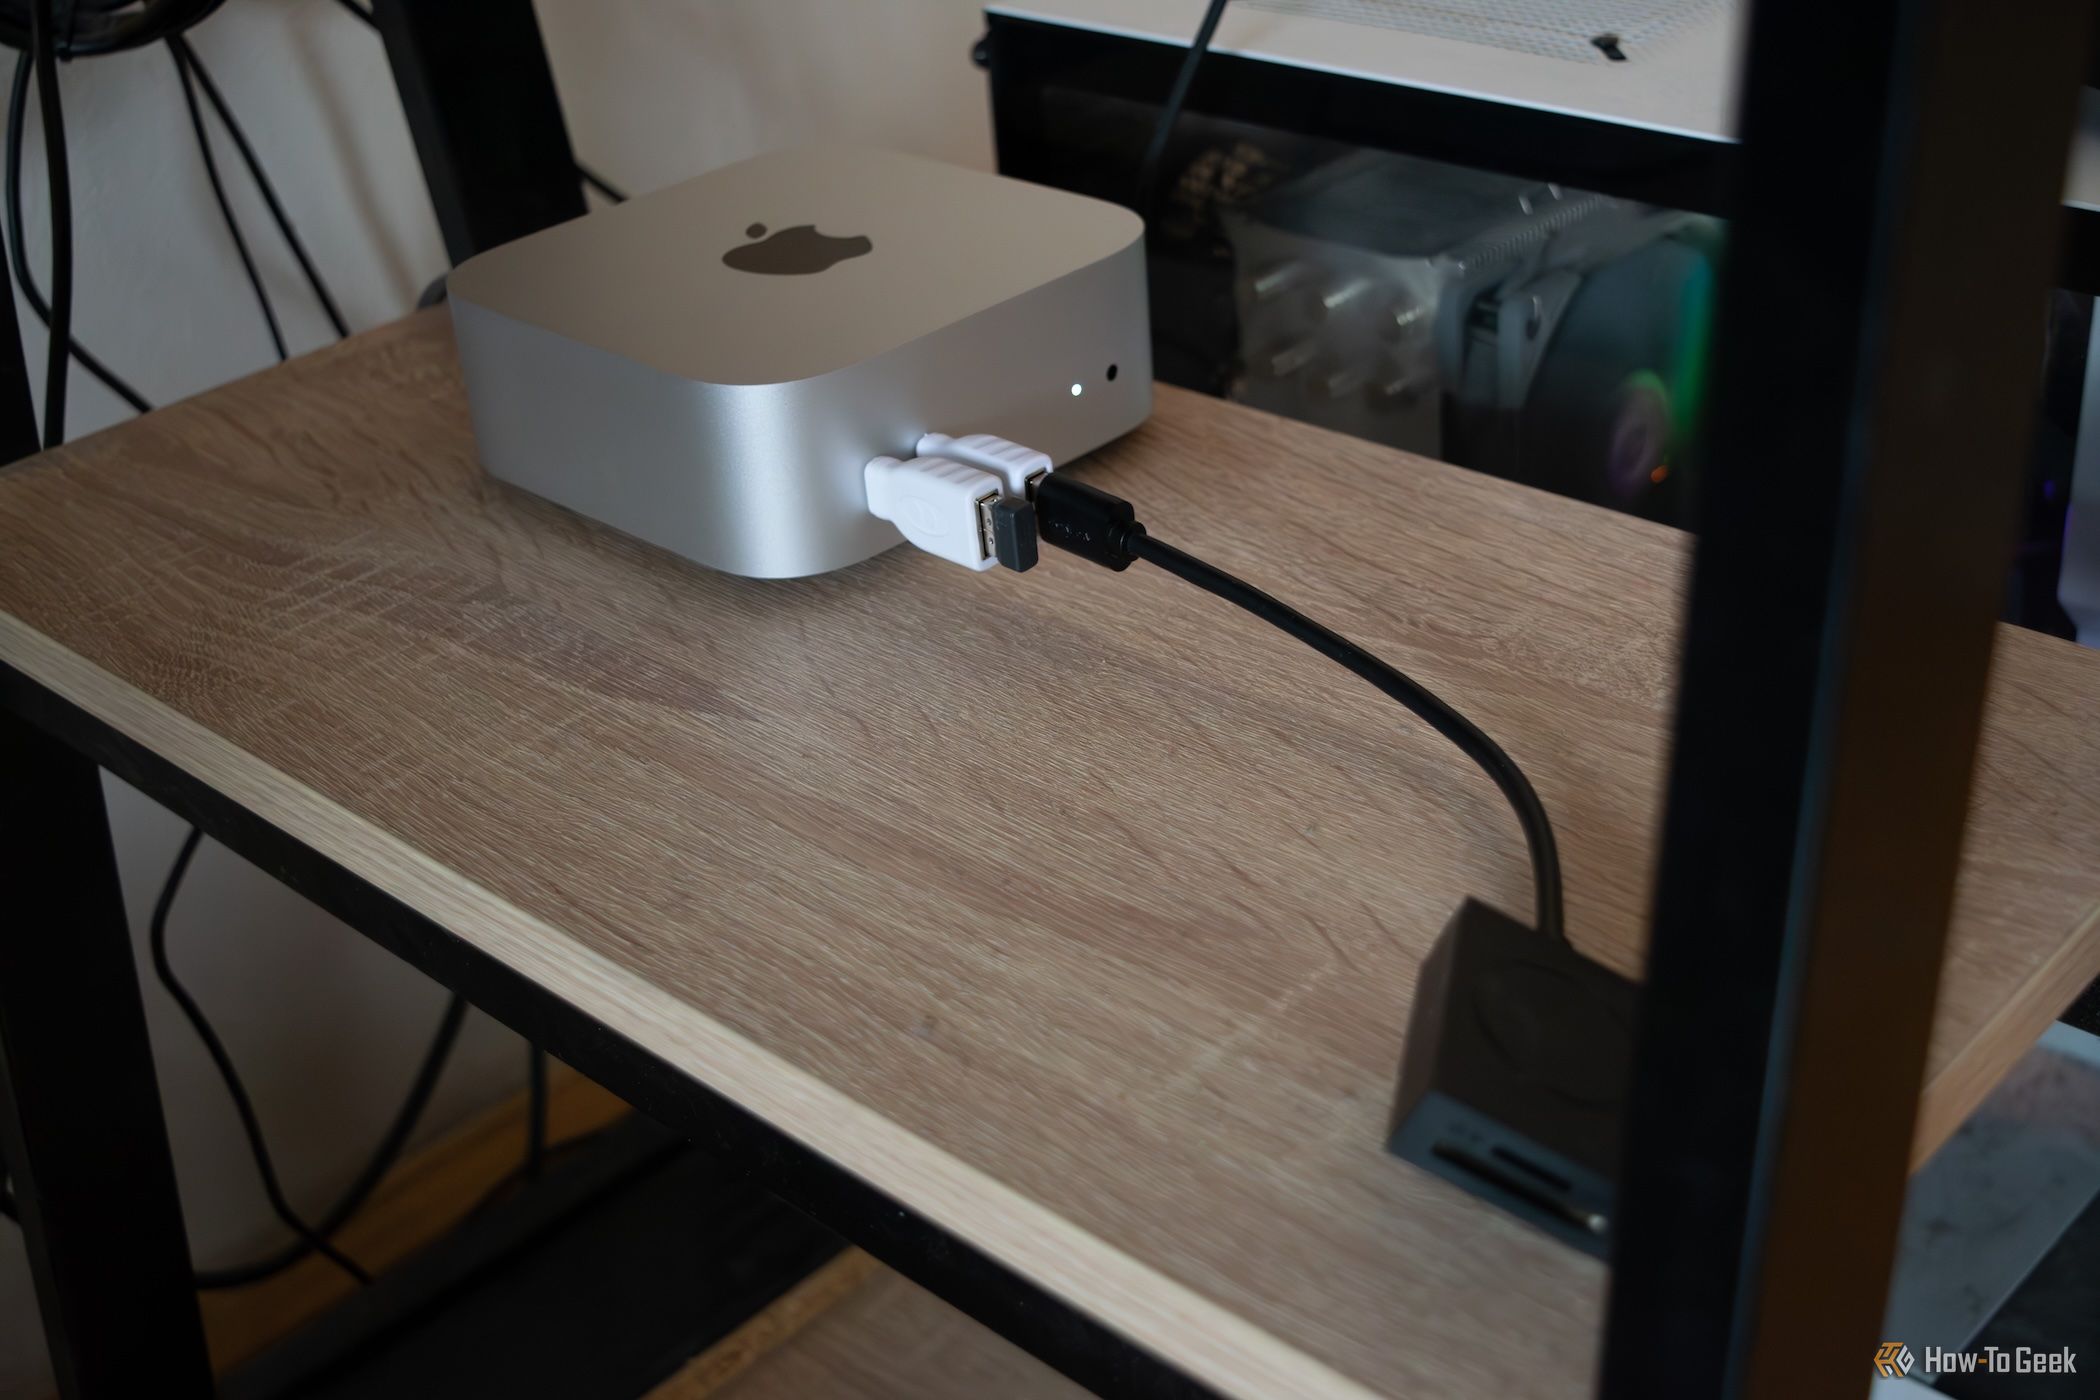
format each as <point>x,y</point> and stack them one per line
<point>384,1156</point>
<point>180,53</point>
<point>583,172</point>
<point>251,1126</point>
<point>382,1161</point>
<point>94,27</point>
<point>1104,528</point>
<point>597,182</point>
<point>186,56</point>
<point>1147,190</point>
<point>57,316</point>
<point>17,250</point>
<point>91,27</point>
<point>194,76</point>
<point>191,70</point>
<point>310,1238</point>
<point>43,49</point>
<point>189,65</point>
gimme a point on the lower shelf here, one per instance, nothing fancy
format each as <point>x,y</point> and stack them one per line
<point>884,1339</point>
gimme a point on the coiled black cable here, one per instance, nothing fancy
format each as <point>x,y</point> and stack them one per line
<point>103,26</point>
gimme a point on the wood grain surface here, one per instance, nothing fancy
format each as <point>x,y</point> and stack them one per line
<point>782,1327</point>
<point>889,1340</point>
<point>1072,909</point>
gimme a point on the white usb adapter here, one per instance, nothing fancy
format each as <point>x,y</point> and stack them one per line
<point>1018,468</point>
<point>957,512</point>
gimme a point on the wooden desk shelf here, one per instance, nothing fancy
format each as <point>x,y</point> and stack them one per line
<point>1074,911</point>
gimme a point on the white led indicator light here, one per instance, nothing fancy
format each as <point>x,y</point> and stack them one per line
<point>1075,390</point>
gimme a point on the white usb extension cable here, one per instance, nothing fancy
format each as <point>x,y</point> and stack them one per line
<point>965,499</point>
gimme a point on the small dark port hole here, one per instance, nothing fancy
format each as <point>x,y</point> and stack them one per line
<point>1111,374</point>
<point>1522,1164</point>
<point>1522,1187</point>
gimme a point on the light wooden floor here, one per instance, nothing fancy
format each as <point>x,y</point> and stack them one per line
<point>429,1193</point>
<point>883,1339</point>
<point>853,1329</point>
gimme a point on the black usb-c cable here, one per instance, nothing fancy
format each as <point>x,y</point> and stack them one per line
<point>1104,528</point>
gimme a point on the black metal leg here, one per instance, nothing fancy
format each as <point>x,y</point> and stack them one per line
<point>1877,359</point>
<point>80,1117</point>
<point>481,105</point>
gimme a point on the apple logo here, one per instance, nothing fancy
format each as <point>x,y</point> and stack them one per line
<point>793,252</point>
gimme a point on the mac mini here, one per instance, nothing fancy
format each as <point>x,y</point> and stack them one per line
<point>710,367</point>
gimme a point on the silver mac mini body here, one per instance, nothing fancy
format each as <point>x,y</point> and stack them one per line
<point>711,366</point>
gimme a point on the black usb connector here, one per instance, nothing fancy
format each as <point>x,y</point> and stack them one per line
<point>1009,529</point>
<point>1087,521</point>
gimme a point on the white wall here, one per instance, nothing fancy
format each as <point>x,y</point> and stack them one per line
<point>326,1027</point>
